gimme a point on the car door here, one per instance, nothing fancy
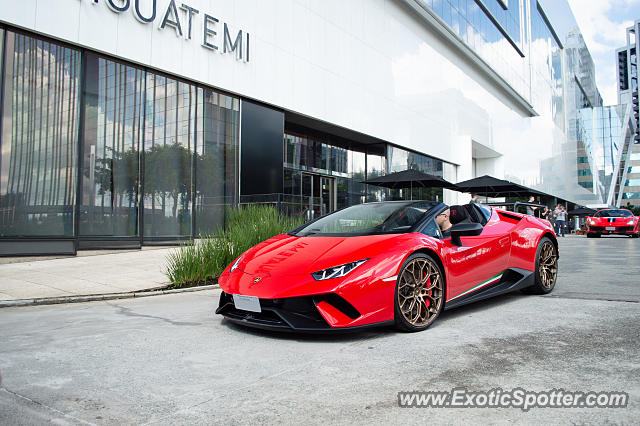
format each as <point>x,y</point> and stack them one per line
<point>480,259</point>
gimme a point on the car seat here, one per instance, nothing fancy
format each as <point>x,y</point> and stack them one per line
<point>458,214</point>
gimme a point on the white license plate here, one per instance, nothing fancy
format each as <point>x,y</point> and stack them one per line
<point>247,303</point>
<point>610,228</point>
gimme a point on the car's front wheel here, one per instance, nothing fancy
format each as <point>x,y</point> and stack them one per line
<point>546,271</point>
<point>419,295</point>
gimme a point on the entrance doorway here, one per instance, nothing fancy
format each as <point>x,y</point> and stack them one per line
<point>316,193</point>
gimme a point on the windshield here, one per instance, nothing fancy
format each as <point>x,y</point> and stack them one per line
<point>613,213</point>
<point>370,219</point>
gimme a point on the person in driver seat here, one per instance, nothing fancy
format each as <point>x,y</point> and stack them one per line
<point>452,216</point>
<point>443,222</point>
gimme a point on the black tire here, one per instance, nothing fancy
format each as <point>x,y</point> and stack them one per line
<point>546,272</point>
<point>589,235</point>
<point>415,312</point>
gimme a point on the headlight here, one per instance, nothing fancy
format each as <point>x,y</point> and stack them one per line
<point>630,222</point>
<point>337,271</point>
<point>235,264</point>
<point>591,222</point>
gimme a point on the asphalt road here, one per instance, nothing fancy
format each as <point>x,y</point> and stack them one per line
<point>170,360</point>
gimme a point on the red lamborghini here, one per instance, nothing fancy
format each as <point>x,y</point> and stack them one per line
<point>613,222</point>
<point>387,263</point>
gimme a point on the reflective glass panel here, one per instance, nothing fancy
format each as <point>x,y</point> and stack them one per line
<point>215,158</point>
<point>40,138</point>
<point>376,166</point>
<point>169,139</point>
<point>110,163</point>
<point>400,159</point>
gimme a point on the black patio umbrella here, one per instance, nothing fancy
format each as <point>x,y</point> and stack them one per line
<point>409,179</point>
<point>490,186</point>
<point>581,211</point>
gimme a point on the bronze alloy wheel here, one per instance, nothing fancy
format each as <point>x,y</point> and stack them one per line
<point>420,291</point>
<point>548,264</point>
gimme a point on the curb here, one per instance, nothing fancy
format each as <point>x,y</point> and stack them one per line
<point>97,297</point>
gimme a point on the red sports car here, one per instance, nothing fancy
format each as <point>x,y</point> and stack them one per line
<point>613,222</point>
<point>387,263</point>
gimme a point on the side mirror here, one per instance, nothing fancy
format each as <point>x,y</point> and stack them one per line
<point>464,230</point>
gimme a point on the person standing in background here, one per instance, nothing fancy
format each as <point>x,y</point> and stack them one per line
<point>474,199</point>
<point>531,210</point>
<point>561,216</point>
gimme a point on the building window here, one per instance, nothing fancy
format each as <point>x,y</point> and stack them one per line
<point>153,149</point>
<point>39,137</point>
<point>174,142</point>
<point>168,151</point>
<point>319,176</point>
<point>376,166</point>
<point>400,159</point>
<point>113,129</point>
<point>216,158</point>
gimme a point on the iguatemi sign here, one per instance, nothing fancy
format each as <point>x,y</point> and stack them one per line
<point>181,18</point>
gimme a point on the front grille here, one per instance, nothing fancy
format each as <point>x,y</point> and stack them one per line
<point>286,313</point>
<point>618,229</point>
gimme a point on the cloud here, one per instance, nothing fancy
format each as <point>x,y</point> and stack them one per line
<point>603,24</point>
<point>598,28</point>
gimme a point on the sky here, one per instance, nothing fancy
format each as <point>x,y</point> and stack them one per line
<point>603,24</point>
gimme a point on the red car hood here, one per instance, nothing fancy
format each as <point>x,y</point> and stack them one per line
<point>282,265</point>
<point>286,255</point>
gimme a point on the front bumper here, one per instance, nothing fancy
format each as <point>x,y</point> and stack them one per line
<point>619,230</point>
<point>300,314</point>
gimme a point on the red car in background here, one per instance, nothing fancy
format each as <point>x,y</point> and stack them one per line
<point>613,222</point>
<point>387,263</point>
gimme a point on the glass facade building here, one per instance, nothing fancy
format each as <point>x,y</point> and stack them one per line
<point>606,135</point>
<point>629,93</point>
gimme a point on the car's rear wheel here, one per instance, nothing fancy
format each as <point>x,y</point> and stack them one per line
<point>419,295</point>
<point>546,272</point>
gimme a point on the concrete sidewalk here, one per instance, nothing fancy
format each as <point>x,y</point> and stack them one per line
<point>88,273</point>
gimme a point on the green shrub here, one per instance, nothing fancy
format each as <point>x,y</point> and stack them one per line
<point>201,261</point>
